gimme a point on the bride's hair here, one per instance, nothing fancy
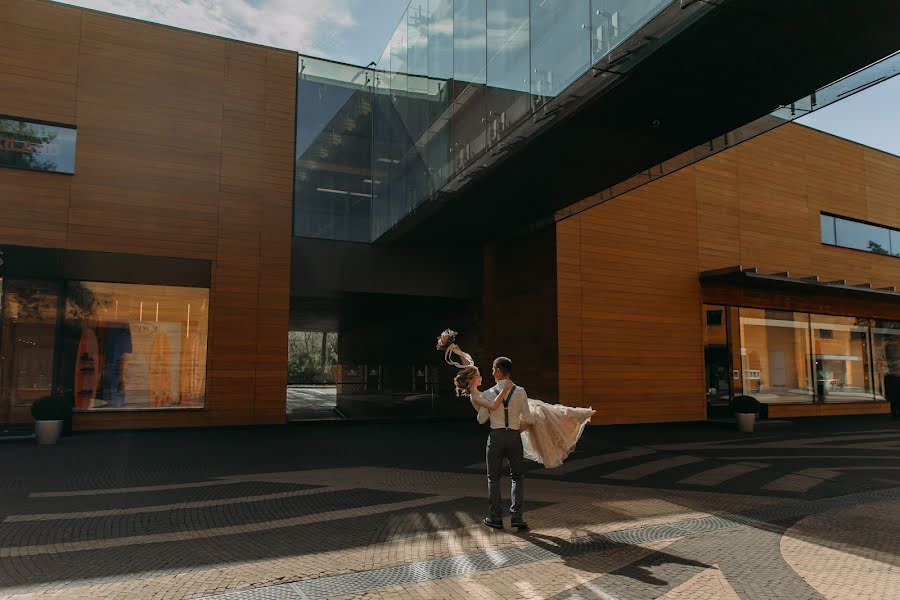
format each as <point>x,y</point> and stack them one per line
<point>463,379</point>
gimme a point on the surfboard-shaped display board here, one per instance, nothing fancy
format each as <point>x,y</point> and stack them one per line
<point>87,369</point>
<point>160,379</point>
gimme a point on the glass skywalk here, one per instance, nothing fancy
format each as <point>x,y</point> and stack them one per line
<point>456,79</point>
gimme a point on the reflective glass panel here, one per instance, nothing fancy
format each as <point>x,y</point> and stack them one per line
<point>468,131</point>
<point>885,353</point>
<point>775,361</point>
<point>469,41</point>
<point>612,21</point>
<point>560,44</point>
<point>508,70</point>
<point>332,197</point>
<point>440,39</point>
<point>135,346</point>
<point>841,358</point>
<point>417,35</point>
<point>895,242</point>
<point>716,357</point>
<point>861,236</point>
<point>37,146</point>
<point>827,223</point>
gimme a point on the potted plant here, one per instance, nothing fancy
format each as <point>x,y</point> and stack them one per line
<point>745,409</point>
<point>49,413</point>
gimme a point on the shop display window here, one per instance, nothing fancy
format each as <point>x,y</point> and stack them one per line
<point>134,346</point>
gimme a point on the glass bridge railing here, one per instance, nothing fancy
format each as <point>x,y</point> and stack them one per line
<point>456,78</point>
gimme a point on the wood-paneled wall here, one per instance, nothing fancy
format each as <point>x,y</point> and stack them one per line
<point>185,148</point>
<point>629,296</point>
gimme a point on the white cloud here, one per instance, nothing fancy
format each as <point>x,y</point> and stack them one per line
<point>307,26</point>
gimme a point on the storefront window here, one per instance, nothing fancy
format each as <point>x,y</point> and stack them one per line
<point>775,365</point>
<point>841,358</point>
<point>885,353</point>
<point>134,346</point>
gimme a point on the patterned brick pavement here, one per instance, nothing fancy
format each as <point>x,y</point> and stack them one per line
<point>393,511</point>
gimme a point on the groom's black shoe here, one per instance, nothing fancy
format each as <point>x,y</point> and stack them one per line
<point>519,524</point>
<point>494,523</point>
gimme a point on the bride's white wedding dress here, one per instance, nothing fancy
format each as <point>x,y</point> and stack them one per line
<point>554,432</point>
<point>556,427</point>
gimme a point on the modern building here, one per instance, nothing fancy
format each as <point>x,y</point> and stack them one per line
<point>644,234</point>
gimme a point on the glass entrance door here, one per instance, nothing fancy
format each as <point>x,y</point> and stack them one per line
<point>28,325</point>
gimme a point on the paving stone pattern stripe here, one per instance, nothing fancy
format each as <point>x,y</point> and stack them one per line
<point>363,581</point>
<point>578,464</point>
<point>178,536</point>
<point>131,490</point>
<point>719,475</point>
<point>168,507</point>
<point>651,468</point>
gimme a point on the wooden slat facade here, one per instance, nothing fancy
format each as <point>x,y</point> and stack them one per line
<point>185,149</point>
<point>629,297</point>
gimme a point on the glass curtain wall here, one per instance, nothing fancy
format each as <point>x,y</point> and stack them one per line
<point>455,78</point>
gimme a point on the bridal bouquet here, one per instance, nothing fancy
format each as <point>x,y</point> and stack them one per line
<point>447,337</point>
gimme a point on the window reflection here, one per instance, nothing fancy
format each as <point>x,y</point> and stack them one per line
<point>560,44</point>
<point>508,76</point>
<point>841,358</point>
<point>775,355</point>
<point>613,21</point>
<point>861,236</point>
<point>469,41</point>
<point>134,346</point>
<point>716,358</point>
<point>456,77</point>
<point>827,223</point>
<point>885,353</point>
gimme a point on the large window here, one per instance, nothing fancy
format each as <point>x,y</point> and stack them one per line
<point>783,357</point>
<point>134,346</point>
<point>885,352</point>
<point>775,355</point>
<point>841,358</point>
<point>847,233</point>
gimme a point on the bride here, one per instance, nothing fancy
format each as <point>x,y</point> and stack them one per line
<point>556,428</point>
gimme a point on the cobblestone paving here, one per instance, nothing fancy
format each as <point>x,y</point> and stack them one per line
<point>393,511</point>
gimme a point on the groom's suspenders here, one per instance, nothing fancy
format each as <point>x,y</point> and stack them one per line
<point>506,407</point>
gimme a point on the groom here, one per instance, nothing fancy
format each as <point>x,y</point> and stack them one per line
<point>505,441</point>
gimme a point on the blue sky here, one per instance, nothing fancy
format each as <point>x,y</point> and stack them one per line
<point>356,31</point>
<point>868,117</point>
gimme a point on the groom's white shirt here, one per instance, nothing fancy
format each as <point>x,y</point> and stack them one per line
<point>519,411</point>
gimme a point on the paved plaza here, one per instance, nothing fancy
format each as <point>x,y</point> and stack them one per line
<point>806,510</point>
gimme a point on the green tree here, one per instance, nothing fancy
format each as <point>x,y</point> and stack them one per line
<point>877,248</point>
<point>312,356</point>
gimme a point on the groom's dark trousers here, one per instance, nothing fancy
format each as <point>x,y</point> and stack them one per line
<point>505,443</point>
